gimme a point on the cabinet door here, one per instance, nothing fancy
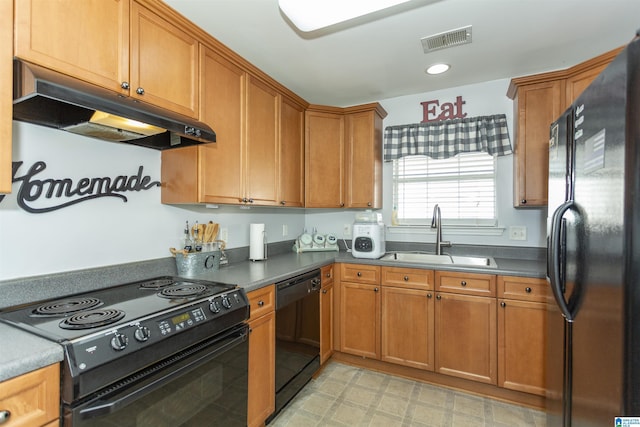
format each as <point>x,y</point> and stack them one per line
<point>466,344</point>
<point>164,63</point>
<point>360,319</point>
<point>407,327</point>
<point>363,160</point>
<point>324,160</point>
<point>326,322</point>
<point>86,39</point>
<point>33,399</point>
<point>577,83</point>
<point>6,94</point>
<point>261,173</point>
<point>537,106</point>
<point>291,169</point>
<point>521,346</point>
<point>262,362</point>
<point>222,107</point>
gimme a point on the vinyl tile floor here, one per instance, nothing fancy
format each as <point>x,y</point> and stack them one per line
<point>344,395</point>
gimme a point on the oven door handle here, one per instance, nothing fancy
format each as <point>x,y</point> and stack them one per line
<point>170,372</point>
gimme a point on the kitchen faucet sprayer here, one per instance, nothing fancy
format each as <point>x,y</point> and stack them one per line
<point>436,222</point>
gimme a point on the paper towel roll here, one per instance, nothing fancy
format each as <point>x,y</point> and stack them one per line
<point>257,242</point>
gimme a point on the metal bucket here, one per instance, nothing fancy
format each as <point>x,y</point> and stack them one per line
<point>193,264</point>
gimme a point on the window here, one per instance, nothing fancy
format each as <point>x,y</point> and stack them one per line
<point>463,186</point>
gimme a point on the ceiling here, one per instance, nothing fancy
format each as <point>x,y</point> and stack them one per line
<point>382,57</point>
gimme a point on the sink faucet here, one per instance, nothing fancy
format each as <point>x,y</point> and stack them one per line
<point>436,222</point>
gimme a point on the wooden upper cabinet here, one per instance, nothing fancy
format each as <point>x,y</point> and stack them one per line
<point>117,44</point>
<point>364,159</point>
<point>261,172</point>
<point>324,159</point>
<point>164,63</point>
<point>538,100</point>
<point>86,39</point>
<point>291,167</point>
<point>6,94</point>
<point>344,156</point>
<point>536,106</point>
<point>222,107</point>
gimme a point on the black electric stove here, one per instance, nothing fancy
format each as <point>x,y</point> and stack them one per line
<point>113,333</point>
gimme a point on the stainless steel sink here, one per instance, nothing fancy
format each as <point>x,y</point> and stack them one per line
<point>427,258</point>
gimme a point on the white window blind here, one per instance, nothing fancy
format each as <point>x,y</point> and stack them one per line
<point>463,186</point>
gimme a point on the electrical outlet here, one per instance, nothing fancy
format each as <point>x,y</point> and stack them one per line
<point>224,234</point>
<point>517,232</point>
<point>285,230</point>
<point>346,231</point>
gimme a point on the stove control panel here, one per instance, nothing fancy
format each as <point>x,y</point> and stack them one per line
<point>101,347</point>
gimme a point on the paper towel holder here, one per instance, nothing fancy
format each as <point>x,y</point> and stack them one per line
<point>257,242</point>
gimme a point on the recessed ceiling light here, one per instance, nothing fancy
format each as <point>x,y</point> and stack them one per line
<point>312,15</point>
<point>437,68</point>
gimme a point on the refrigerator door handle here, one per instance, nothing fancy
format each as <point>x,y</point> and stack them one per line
<point>554,257</point>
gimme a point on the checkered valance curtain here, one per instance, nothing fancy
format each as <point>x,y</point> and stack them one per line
<point>441,140</point>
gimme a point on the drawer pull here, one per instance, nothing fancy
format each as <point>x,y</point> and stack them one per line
<point>406,278</point>
<point>527,290</point>
<point>359,274</point>
<point>260,303</point>
<point>4,416</point>
<point>463,283</point>
<point>328,275</point>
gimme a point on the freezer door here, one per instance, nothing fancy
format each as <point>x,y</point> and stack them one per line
<point>594,248</point>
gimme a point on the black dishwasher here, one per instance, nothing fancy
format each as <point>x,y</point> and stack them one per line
<point>297,335</point>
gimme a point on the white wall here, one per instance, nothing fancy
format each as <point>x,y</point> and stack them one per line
<point>106,231</point>
<point>481,99</point>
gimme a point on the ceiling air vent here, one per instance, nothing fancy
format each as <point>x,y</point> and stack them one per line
<point>446,39</point>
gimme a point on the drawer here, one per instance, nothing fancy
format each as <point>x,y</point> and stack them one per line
<point>262,301</point>
<point>523,288</point>
<point>360,273</point>
<point>33,399</point>
<point>408,277</point>
<point>466,283</point>
<point>326,275</point>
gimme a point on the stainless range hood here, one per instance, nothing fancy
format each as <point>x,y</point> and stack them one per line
<point>51,99</point>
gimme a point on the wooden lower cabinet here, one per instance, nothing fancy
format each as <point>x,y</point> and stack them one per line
<point>33,399</point>
<point>407,327</point>
<point>360,319</point>
<point>326,313</point>
<point>466,345</point>
<point>522,326</point>
<point>262,356</point>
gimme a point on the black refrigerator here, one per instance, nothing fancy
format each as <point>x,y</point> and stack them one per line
<point>593,253</point>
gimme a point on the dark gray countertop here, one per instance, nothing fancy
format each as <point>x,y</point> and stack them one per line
<point>28,352</point>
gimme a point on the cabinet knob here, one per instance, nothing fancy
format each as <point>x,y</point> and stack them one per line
<point>342,205</point>
<point>282,202</point>
<point>369,204</point>
<point>375,289</point>
<point>328,275</point>
<point>463,283</point>
<point>124,85</point>
<point>260,303</point>
<point>503,304</point>
<point>429,295</point>
<point>527,290</point>
<point>406,278</point>
<point>359,274</point>
<point>438,297</point>
<point>250,200</point>
<point>140,91</point>
<point>324,291</point>
<point>523,201</point>
<point>4,416</point>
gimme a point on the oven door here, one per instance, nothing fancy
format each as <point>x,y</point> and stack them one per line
<point>203,385</point>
